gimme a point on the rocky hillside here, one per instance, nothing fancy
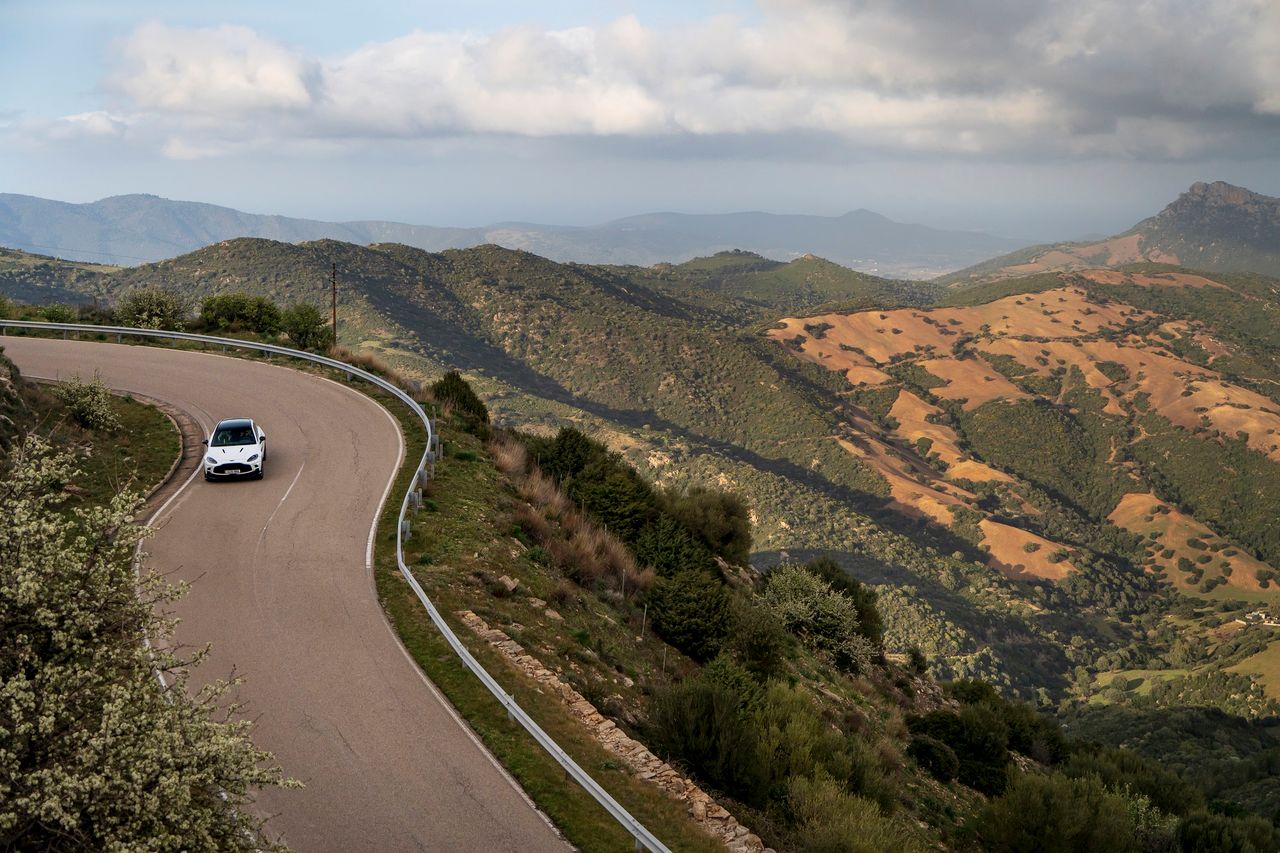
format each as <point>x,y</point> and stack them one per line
<point>1212,226</point>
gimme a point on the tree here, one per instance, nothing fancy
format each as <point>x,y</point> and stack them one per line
<point>306,326</point>
<point>94,752</point>
<point>240,310</point>
<point>152,308</point>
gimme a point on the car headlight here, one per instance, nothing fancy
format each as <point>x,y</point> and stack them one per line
<point>211,460</point>
<point>253,458</point>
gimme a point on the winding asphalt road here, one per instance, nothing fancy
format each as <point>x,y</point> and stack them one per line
<point>282,588</point>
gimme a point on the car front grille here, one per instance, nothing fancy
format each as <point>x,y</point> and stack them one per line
<point>231,468</point>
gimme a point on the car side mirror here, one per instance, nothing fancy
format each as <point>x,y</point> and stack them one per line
<point>205,442</point>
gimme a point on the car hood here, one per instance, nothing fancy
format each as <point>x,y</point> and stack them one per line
<point>236,453</point>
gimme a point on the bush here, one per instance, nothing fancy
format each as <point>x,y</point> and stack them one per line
<point>456,394</point>
<point>240,311</point>
<point>306,327</point>
<point>669,548</point>
<point>1121,769</point>
<point>88,402</point>
<point>1213,833</point>
<point>1029,732</point>
<point>829,820</point>
<point>152,308</point>
<point>823,619</point>
<point>95,755</point>
<point>691,611</point>
<point>719,519</point>
<point>934,756</point>
<point>59,313</point>
<point>863,597</point>
<point>758,640</point>
<point>979,739</point>
<point>6,308</point>
<point>1056,813</point>
<point>701,725</point>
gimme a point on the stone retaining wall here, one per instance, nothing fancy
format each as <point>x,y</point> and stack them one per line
<point>704,811</point>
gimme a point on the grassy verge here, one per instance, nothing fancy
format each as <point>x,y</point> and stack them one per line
<point>135,456</point>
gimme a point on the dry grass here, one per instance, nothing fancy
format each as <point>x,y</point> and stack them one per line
<point>372,363</point>
<point>511,457</point>
<point>579,548</point>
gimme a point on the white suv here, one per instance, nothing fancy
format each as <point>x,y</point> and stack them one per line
<point>237,447</point>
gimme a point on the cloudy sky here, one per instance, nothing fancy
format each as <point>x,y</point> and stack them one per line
<point>1029,118</point>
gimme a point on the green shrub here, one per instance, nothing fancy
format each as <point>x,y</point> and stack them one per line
<point>822,618</point>
<point>88,402</point>
<point>306,327</point>
<point>456,393</point>
<point>670,548</point>
<point>1214,833</point>
<point>977,736</point>
<point>726,672</point>
<point>58,313</point>
<point>934,756</point>
<point>1058,814</point>
<point>720,519</point>
<point>691,612</point>
<point>1029,732</point>
<point>240,311</point>
<point>830,820</point>
<point>701,726</point>
<point>758,639</point>
<point>870,625</point>
<point>1122,769</point>
<point>152,308</point>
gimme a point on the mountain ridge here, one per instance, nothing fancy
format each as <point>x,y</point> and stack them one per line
<point>1212,226</point>
<point>145,227</point>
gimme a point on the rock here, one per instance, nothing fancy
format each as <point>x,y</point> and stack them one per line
<point>699,811</point>
<point>537,603</point>
<point>509,582</point>
<point>553,616</point>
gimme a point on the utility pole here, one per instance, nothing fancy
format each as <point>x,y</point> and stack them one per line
<point>333,280</point>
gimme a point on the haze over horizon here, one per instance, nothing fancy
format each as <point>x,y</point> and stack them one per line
<point>1029,120</point>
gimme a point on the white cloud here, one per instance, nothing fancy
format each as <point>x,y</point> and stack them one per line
<point>1164,78</point>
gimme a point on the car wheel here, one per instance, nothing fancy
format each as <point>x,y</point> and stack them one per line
<point>207,477</point>
<point>261,473</point>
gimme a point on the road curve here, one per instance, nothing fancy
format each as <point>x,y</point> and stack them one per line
<point>281,588</point>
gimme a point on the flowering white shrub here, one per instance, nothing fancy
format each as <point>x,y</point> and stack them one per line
<point>94,753</point>
<point>152,308</point>
<point>89,402</point>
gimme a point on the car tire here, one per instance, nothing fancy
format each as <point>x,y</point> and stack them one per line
<point>207,477</point>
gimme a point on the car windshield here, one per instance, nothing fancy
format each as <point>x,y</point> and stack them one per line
<point>233,436</point>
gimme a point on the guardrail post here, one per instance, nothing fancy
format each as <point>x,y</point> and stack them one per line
<point>406,530</point>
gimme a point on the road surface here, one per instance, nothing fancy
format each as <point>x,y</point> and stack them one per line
<point>281,587</point>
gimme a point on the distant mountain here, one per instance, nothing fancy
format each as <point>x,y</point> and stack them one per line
<point>1216,227</point>
<point>135,228</point>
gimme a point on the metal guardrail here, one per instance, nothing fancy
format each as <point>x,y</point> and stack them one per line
<point>645,840</point>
